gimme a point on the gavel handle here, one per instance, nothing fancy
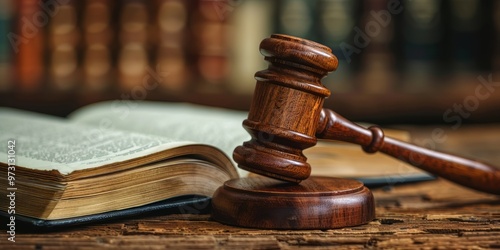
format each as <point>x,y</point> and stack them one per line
<point>469,173</point>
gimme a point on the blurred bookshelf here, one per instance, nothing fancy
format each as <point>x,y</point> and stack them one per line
<point>418,61</point>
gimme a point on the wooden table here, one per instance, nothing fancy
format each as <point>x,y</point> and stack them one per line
<point>430,215</point>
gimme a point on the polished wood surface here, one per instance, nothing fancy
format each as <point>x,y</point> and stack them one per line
<point>429,215</point>
<point>470,173</point>
<point>315,203</point>
<point>287,116</point>
<point>282,119</point>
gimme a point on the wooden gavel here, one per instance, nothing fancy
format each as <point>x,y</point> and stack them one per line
<point>287,116</point>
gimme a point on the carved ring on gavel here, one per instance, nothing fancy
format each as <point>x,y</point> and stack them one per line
<point>287,116</point>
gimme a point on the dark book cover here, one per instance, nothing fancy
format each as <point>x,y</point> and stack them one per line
<point>337,28</point>
<point>6,18</point>
<point>177,205</point>
<point>297,18</point>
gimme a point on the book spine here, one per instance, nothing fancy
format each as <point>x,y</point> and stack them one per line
<point>210,33</point>
<point>297,18</point>
<point>337,19</point>
<point>98,38</point>
<point>377,71</point>
<point>133,59</point>
<point>172,59</point>
<point>6,16</point>
<point>495,60</point>
<point>422,33</point>
<point>465,31</point>
<point>28,43</point>
<point>64,38</point>
<point>245,38</point>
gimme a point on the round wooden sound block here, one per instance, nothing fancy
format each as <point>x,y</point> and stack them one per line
<point>315,203</point>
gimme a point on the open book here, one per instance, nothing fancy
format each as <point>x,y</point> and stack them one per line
<point>119,155</point>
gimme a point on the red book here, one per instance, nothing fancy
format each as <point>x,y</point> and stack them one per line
<point>28,44</point>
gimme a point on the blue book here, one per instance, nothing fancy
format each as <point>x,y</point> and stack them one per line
<point>335,27</point>
<point>6,15</point>
<point>296,18</point>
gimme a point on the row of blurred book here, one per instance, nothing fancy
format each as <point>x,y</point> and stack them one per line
<point>175,46</point>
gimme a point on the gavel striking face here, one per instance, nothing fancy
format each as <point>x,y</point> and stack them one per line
<point>287,116</point>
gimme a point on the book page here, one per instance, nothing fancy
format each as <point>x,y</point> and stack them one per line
<point>348,160</point>
<point>48,143</point>
<point>221,128</point>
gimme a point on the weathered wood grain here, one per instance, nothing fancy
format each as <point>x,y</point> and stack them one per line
<point>438,215</point>
<point>430,215</point>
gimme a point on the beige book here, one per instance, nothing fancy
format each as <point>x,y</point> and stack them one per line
<point>121,154</point>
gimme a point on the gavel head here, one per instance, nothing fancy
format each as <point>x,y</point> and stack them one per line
<point>285,109</point>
